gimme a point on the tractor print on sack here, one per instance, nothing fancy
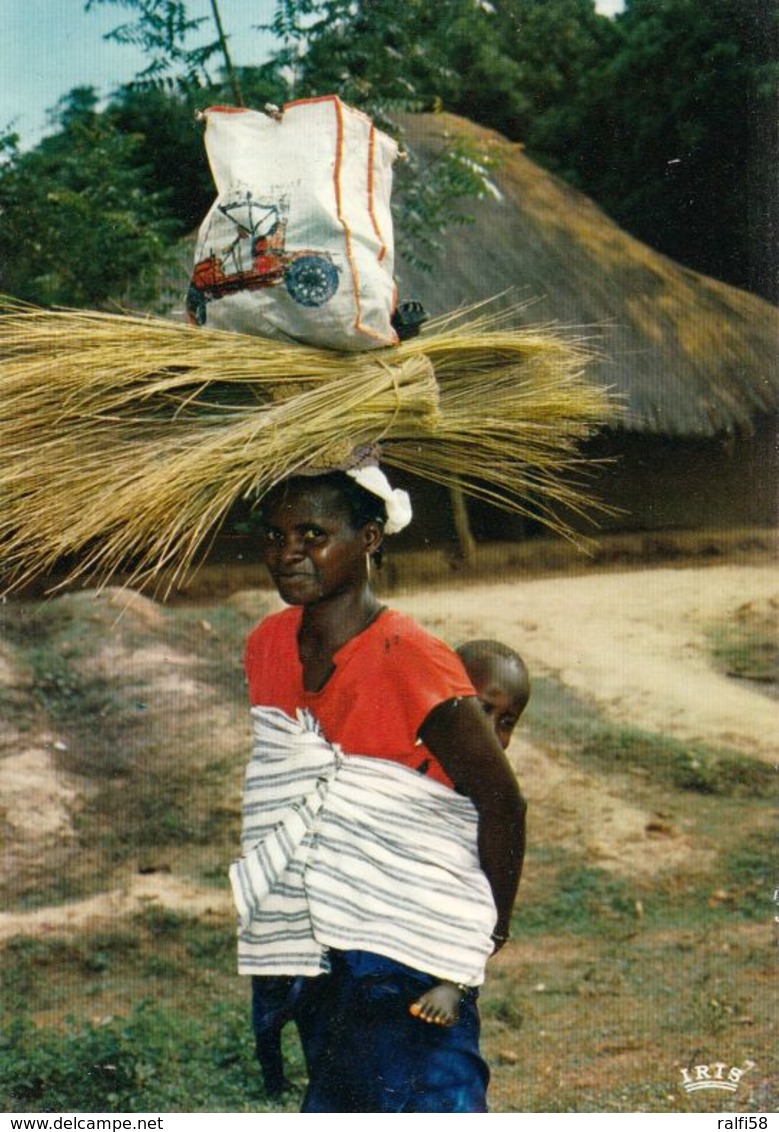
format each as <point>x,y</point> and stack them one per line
<point>256,258</point>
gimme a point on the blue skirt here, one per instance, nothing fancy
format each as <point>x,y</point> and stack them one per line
<point>370,1055</point>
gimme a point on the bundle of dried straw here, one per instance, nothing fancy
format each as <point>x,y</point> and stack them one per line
<point>125,441</point>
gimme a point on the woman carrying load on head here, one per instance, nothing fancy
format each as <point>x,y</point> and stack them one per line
<point>383,826</point>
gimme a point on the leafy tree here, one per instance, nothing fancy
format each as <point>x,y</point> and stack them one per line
<point>168,151</point>
<point>376,53</point>
<point>554,45</point>
<point>502,64</point>
<point>78,225</point>
<point>161,30</point>
<point>675,134</point>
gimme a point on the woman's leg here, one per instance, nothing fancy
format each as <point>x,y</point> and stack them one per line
<point>276,1000</point>
<point>270,1012</point>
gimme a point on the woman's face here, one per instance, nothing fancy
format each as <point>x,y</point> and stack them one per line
<point>311,549</point>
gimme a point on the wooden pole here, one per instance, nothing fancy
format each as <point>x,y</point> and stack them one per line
<point>232,76</point>
<point>462,526</point>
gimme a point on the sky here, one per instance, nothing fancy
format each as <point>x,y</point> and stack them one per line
<point>47,47</point>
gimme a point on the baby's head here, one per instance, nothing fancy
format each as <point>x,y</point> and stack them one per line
<point>501,681</point>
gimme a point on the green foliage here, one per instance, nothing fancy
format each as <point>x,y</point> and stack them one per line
<point>553,48</point>
<point>581,900</point>
<point>674,132</point>
<point>748,649</point>
<point>36,973</point>
<point>665,115</point>
<point>383,57</point>
<point>169,151</point>
<point>433,196</point>
<point>29,963</point>
<point>682,765</point>
<point>78,223</point>
<point>375,54</point>
<point>500,64</point>
<point>157,1060</point>
<point>334,47</point>
<point>576,726</point>
<point>161,31</point>
<point>750,874</point>
<point>191,1053</point>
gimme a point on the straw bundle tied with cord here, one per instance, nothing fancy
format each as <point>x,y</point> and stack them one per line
<point>125,441</point>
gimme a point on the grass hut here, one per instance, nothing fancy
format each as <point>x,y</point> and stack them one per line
<point>694,359</point>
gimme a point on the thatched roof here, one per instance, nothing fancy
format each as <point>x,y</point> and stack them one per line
<point>691,355</point>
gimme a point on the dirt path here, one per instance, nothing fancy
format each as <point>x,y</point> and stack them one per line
<point>634,641</point>
<point>103,911</point>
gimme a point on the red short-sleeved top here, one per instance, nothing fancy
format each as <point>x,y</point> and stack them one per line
<point>385,683</point>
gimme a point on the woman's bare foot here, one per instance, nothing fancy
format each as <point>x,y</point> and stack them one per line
<point>440,1005</point>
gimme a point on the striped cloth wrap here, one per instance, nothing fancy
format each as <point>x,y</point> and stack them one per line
<point>353,852</point>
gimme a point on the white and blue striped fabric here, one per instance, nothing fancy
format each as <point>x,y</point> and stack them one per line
<point>352,852</point>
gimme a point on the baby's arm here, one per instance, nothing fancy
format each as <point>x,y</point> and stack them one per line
<point>459,735</point>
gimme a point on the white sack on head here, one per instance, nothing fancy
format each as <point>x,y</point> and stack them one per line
<point>298,244</point>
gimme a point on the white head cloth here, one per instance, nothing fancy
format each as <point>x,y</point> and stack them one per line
<point>397,501</point>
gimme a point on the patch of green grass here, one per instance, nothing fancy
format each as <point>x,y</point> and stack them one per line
<point>35,973</point>
<point>26,623</point>
<point>186,1046</point>
<point>156,790</point>
<point>84,705</point>
<point>155,807</point>
<point>683,766</point>
<point>580,900</point>
<point>559,715</point>
<point>156,1060</point>
<point>34,891</point>
<point>747,648</point>
<point>503,1005</point>
<point>570,722</point>
<point>47,637</point>
<point>571,899</point>
<point>54,641</point>
<point>749,875</point>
